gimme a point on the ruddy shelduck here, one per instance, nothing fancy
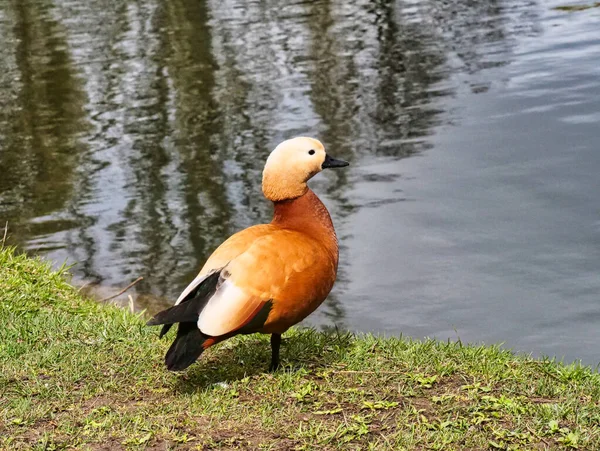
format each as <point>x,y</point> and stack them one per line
<point>267,277</point>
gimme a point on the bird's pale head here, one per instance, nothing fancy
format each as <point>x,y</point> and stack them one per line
<point>293,163</point>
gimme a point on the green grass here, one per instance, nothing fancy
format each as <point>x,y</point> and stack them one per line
<point>82,375</point>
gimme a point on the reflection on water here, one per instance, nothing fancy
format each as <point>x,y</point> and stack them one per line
<point>133,136</point>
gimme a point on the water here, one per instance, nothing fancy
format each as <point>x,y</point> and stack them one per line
<point>132,139</point>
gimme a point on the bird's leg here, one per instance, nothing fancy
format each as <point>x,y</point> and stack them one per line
<point>275,343</point>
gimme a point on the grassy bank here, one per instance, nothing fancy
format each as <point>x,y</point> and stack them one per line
<point>78,374</point>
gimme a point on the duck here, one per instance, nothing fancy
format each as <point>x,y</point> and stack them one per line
<point>268,277</point>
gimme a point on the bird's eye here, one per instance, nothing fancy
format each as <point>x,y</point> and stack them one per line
<point>311,152</point>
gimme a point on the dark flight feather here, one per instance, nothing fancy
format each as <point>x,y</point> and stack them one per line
<point>258,321</point>
<point>190,307</point>
<point>164,330</point>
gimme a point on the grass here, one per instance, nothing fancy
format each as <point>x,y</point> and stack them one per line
<point>76,374</point>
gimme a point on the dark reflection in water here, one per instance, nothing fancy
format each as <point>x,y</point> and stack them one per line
<point>133,136</point>
<point>43,120</point>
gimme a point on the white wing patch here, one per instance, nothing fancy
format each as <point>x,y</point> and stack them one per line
<point>227,310</point>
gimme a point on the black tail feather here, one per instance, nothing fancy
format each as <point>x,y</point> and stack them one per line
<point>164,330</point>
<point>182,313</point>
<point>189,309</point>
<point>186,348</point>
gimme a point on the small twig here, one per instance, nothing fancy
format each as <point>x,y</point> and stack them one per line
<point>87,284</point>
<point>5,232</point>
<point>131,306</point>
<point>387,442</point>
<point>123,290</point>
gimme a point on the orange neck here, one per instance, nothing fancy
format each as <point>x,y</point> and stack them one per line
<point>308,215</point>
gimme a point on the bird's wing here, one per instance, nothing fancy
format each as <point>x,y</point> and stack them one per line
<point>235,245</point>
<point>227,251</point>
<point>251,282</point>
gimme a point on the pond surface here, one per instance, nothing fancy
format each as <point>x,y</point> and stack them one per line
<point>133,136</point>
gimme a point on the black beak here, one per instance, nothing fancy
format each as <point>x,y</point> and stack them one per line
<point>333,163</point>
